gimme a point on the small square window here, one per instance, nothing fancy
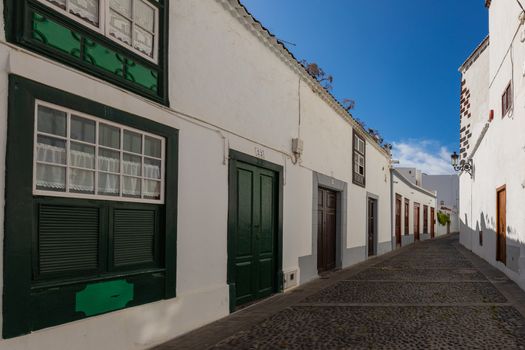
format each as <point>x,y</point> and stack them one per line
<point>506,100</point>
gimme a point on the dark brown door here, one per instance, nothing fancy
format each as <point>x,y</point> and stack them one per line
<point>425,219</point>
<point>432,223</point>
<point>501,215</point>
<point>407,216</point>
<point>416,221</point>
<point>326,230</point>
<point>398,220</point>
<point>372,213</point>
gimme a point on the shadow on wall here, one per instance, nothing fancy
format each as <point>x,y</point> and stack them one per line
<point>483,241</point>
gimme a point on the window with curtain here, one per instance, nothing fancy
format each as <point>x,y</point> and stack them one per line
<point>359,162</point>
<point>83,157</point>
<point>132,23</point>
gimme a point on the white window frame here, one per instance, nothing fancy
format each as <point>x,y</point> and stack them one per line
<point>359,155</point>
<point>103,25</point>
<point>95,170</point>
<point>358,159</point>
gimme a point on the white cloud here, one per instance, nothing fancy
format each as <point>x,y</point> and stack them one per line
<point>428,155</point>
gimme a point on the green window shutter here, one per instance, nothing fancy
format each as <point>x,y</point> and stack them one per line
<point>68,239</point>
<point>134,234</point>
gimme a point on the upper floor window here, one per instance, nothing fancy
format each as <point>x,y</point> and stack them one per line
<point>359,163</point>
<point>506,100</point>
<point>80,156</point>
<point>131,23</point>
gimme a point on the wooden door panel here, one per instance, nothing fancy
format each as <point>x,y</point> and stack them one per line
<point>265,277</point>
<point>320,239</point>
<point>417,220</point>
<point>425,219</point>
<point>255,234</point>
<point>330,240</point>
<point>501,225</point>
<point>407,216</point>
<point>244,239</point>
<point>371,226</point>
<point>244,287</point>
<point>398,220</point>
<point>326,230</point>
<point>432,223</point>
<point>267,225</point>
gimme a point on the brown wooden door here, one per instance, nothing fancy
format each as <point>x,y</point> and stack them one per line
<point>407,216</point>
<point>398,220</point>
<point>425,219</point>
<point>372,213</point>
<point>416,221</point>
<point>326,230</point>
<point>432,223</point>
<point>501,216</point>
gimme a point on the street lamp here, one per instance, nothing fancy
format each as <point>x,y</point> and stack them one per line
<point>466,166</point>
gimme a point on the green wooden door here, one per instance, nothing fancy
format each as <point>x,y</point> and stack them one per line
<point>254,233</point>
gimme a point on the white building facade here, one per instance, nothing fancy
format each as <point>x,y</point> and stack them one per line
<point>172,162</point>
<point>491,198</point>
<point>413,209</point>
<point>447,188</point>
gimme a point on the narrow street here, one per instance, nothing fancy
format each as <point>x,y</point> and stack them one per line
<point>430,295</point>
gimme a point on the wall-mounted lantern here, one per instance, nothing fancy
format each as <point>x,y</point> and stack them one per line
<point>466,166</point>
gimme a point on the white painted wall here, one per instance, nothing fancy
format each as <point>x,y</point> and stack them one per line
<point>228,90</point>
<point>501,155</point>
<point>414,175</point>
<point>406,189</point>
<point>447,188</point>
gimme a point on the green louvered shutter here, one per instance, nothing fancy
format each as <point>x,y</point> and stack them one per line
<point>134,233</point>
<point>68,239</point>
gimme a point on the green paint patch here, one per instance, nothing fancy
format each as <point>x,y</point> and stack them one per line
<point>103,297</point>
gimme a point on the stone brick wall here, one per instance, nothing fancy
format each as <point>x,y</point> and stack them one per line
<point>465,114</point>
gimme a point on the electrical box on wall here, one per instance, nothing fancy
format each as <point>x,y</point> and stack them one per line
<point>297,146</point>
<point>290,279</point>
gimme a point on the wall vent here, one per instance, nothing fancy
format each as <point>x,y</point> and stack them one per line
<point>290,279</point>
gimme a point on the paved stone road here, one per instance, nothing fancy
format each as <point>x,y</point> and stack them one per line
<point>432,295</point>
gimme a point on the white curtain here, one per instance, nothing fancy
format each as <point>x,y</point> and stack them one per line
<point>151,189</point>
<point>152,171</point>
<point>80,180</point>
<point>131,186</point>
<point>51,177</point>
<point>108,184</point>
<point>82,159</point>
<point>109,164</point>
<point>131,168</point>
<point>50,154</point>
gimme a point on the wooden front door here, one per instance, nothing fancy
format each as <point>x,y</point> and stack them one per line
<point>326,229</point>
<point>432,223</point>
<point>425,219</point>
<point>254,232</point>
<point>372,225</point>
<point>416,221</point>
<point>407,216</point>
<point>501,217</point>
<point>398,220</point>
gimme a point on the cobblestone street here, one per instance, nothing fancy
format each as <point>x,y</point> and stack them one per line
<point>431,295</point>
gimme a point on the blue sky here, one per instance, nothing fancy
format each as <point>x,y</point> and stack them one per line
<point>398,59</point>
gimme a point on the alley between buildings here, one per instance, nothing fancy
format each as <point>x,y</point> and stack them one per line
<point>430,295</point>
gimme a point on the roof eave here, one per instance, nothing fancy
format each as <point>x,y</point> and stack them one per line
<point>245,17</point>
